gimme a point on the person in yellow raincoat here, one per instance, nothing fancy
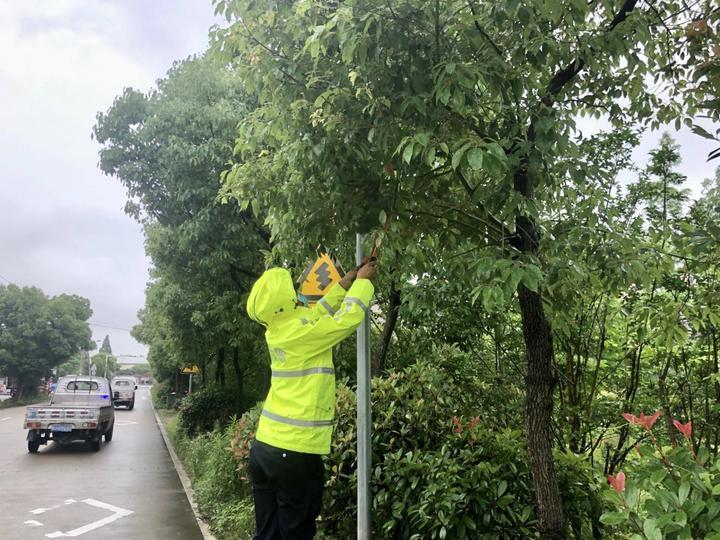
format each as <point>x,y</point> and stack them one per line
<point>296,422</point>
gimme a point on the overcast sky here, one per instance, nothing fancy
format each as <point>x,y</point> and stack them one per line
<point>62,227</point>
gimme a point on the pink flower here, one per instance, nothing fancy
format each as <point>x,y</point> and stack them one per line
<point>617,482</point>
<point>645,421</point>
<point>685,429</point>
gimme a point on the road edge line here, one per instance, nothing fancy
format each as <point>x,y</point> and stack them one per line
<point>184,478</point>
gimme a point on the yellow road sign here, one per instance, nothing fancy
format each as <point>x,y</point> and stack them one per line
<point>191,369</point>
<point>317,280</point>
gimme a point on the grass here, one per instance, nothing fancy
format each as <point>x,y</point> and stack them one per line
<point>222,499</point>
<point>31,400</point>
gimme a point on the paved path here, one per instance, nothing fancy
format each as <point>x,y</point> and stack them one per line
<point>128,490</point>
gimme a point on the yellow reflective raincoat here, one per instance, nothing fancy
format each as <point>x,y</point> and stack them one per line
<point>300,407</point>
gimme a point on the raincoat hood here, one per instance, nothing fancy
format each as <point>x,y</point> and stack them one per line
<point>272,294</point>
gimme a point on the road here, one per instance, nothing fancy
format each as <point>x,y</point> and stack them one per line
<point>129,489</point>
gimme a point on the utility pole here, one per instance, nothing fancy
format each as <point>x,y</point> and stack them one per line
<point>364,421</point>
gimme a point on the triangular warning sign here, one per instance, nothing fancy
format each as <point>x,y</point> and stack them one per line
<point>318,279</point>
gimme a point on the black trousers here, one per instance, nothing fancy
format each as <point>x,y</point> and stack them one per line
<point>287,488</point>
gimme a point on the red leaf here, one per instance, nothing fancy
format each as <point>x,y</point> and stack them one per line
<point>685,429</point>
<point>649,421</point>
<point>617,482</point>
<point>389,169</point>
<point>631,418</point>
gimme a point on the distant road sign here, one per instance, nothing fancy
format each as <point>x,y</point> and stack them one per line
<point>318,279</point>
<point>191,369</point>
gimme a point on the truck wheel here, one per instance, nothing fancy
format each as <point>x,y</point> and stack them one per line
<point>131,406</point>
<point>33,446</point>
<point>95,445</point>
<point>109,435</point>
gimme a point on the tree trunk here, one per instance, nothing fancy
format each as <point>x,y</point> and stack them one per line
<point>394,300</point>
<point>540,383</point>
<point>665,401</point>
<point>220,369</point>
<point>239,375</point>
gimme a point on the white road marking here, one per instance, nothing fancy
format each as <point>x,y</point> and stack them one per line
<point>43,510</point>
<point>33,523</point>
<point>117,513</point>
<point>3,419</point>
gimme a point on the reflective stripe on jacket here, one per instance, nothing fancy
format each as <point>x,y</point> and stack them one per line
<point>299,410</point>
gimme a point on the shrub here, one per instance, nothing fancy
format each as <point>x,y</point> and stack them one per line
<point>163,396</point>
<point>205,408</point>
<point>437,473</point>
<point>668,492</point>
<point>223,498</point>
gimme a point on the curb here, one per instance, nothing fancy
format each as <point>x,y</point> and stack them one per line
<point>184,478</point>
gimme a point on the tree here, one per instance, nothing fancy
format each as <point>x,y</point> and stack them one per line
<point>105,347</point>
<point>168,148</point>
<point>457,119</point>
<point>38,333</point>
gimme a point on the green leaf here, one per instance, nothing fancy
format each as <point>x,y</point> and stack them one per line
<point>716,489</point>
<point>475,158</point>
<point>658,476</point>
<point>383,217</point>
<point>524,15</point>
<point>408,152</point>
<point>614,518</point>
<point>681,518</point>
<point>502,486</point>
<point>684,491</point>
<point>651,530</point>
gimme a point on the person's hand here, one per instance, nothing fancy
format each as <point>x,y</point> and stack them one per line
<point>348,278</point>
<point>368,271</point>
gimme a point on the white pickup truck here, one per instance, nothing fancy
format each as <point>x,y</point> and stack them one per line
<point>124,391</point>
<point>80,409</point>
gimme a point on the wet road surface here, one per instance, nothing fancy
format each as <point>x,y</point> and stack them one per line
<point>128,490</point>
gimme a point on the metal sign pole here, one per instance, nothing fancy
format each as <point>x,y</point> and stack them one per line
<point>364,423</point>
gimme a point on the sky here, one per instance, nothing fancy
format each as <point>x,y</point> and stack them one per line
<point>62,227</point>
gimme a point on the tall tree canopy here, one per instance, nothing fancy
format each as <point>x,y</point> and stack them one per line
<point>168,148</point>
<point>457,121</point>
<point>38,333</point>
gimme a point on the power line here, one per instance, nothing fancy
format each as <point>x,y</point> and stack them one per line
<point>109,325</point>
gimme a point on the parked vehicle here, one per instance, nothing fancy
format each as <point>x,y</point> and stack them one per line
<point>80,409</point>
<point>124,391</point>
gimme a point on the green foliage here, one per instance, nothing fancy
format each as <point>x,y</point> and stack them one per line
<point>168,147</point>
<point>203,410</point>
<point>440,470</point>
<point>139,370</point>
<point>163,396</point>
<point>105,364</point>
<point>671,493</point>
<point>222,498</point>
<point>105,347</point>
<point>38,333</point>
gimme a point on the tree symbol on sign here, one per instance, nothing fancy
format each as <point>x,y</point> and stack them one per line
<point>323,275</point>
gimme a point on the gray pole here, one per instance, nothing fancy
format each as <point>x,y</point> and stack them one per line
<point>364,422</point>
